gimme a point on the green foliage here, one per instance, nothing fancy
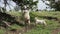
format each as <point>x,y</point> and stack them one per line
<point>21,3</point>
<point>54,4</point>
<point>28,3</point>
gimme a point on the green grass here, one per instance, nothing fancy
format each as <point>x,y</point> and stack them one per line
<point>51,25</point>
<point>15,26</point>
<point>39,29</point>
<point>2,31</point>
<point>58,32</point>
<point>53,14</point>
<point>13,13</point>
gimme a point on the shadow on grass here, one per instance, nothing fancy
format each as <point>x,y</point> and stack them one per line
<point>9,20</point>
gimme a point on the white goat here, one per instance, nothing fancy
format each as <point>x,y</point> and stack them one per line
<point>37,21</point>
<point>26,16</point>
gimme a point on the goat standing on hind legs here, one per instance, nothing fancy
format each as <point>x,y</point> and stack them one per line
<point>26,17</point>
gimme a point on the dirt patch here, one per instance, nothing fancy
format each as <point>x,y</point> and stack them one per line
<point>20,31</point>
<point>56,31</point>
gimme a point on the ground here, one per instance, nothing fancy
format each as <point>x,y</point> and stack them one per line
<point>52,20</point>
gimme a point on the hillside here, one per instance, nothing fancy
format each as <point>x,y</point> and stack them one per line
<point>52,20</point>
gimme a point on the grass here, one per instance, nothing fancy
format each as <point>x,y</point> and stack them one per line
<point>58,32</point>
<point>15,26</point>
<point>2,31</point>
<point>39,29</point>
<point>53,14</point>
<point>52,25</point>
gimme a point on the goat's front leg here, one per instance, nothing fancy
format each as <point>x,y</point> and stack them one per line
<point>45,24</point>
<point>29,21</point>
<point>35,23</point>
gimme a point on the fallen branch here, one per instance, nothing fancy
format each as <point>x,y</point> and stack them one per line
<point>6,23</point>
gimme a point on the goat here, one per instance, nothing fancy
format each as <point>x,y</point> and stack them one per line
<point>37,21</point>
<point>26,16</point>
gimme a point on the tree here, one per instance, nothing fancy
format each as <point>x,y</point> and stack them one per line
<point>28,3</point>
<point>5,2</point>
<point>17,8</point>
<point>54,4</point>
